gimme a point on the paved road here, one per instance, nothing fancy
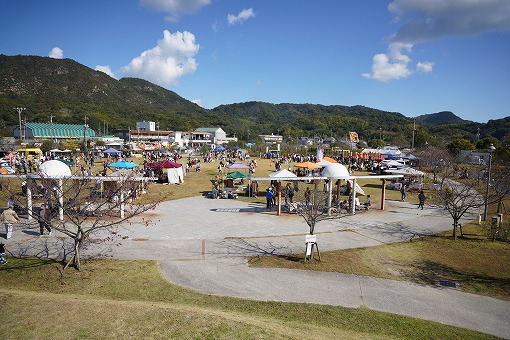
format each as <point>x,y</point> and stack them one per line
<point>203,244</point>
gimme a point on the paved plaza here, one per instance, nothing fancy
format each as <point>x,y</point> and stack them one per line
<point>203,243</point>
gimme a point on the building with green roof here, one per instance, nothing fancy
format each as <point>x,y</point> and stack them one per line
<point>38,131</point>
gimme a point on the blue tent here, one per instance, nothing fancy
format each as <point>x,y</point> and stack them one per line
<point>111,151</point>
<point>220,147</point>
<point>123,165</point>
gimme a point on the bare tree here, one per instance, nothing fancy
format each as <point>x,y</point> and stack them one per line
<point>85,206</point>
<point>458,199</point>
<point>437,161</point>
<point>312,207</point>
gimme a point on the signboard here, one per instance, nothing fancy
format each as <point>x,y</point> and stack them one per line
<point>311,238</point>
<point>354,137</point>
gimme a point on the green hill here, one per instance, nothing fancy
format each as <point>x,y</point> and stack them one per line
<point>70,91</point>
<point>443,117</point>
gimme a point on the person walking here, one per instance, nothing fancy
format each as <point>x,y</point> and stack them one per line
<point>9,217</point>
<point>421,198</point>
<point>45,219</point>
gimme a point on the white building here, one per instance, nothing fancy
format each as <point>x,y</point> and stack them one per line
<point>146,126</point>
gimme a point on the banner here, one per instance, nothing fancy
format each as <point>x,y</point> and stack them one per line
<point>354,137</point>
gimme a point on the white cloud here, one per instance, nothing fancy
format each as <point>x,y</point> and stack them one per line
<point>165,64</point>
<point>174,8</point>
<point>56,53</point>
<point>198,102</point>
<point>422,21</point>
<point>106,69</point>
<point>424,67</point>
<point>432,19</point>
<point>244,15</point>
<point>391,66</point>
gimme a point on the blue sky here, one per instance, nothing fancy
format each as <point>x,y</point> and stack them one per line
<point>409,56</point>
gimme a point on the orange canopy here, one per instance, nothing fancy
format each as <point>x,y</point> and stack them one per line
<point>308,165</point>
<point>329,159</point>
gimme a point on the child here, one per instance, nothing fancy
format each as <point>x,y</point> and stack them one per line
<point>368,202</point>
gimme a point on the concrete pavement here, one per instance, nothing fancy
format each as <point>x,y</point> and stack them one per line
<point>202,244</point>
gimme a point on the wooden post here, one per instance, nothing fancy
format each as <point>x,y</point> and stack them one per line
<point>279,198</point>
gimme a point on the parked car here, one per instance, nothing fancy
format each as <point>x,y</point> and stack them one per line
<point>6,168</point>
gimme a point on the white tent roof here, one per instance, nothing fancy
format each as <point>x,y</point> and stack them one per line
<point>391,163</point>
<point>54,169</point>
<point>334,170</point>
<point>282,174</point>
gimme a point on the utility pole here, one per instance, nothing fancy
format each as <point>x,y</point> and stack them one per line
<point>52,128</point>
<point>20,109</point>
<point>85,132</point>
<point>414,131</point>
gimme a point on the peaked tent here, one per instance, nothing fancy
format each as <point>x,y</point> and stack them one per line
<point>308,165</point>
<point>123,165</point>
<point>329,159</point>
<point>282,174</point>
<point>236,175</point>
<point>166,164</point>
<point>111,151</point>
<point>173,170</point>
<point>237,165</point>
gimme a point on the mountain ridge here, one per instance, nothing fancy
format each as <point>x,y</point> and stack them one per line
<point>69,91</point>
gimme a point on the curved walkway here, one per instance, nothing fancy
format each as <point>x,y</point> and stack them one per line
<point>202,244</point>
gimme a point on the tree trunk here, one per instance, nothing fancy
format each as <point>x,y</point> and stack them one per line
<point>455,229</point>
<point>75,260</point>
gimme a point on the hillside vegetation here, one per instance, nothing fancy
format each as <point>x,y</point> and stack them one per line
<point>70,91</point>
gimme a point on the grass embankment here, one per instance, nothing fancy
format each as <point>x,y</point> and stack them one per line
<point>130,299</point>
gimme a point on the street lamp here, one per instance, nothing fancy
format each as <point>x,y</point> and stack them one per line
<point>486,208</point>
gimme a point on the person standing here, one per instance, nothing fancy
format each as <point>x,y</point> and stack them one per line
<point>308,195</point>
<point>421,198</point>
<point>289,194</point>
<point>403,192</point>
<point>9,217</point>
<point>269,198</point>
<point>45,219</point>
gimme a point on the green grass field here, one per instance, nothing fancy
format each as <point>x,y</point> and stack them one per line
<point>130,299</point>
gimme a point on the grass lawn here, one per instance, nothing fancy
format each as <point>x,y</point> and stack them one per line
<point>114,299</point>
<point>130,299</point>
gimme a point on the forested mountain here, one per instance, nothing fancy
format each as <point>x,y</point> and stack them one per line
<point>70,91</point>
<point>443,117</point>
